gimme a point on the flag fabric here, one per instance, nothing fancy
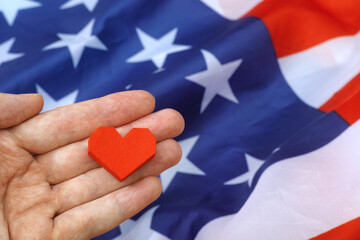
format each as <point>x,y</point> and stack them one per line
<point>270,92</point>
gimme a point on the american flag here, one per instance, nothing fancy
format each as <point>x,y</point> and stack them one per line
<point>269,91</point>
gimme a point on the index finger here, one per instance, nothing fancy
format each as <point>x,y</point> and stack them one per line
<point>68,124</point>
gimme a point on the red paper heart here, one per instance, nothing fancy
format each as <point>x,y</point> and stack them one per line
<point>121,156</point>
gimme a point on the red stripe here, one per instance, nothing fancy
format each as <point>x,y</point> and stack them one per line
<point>350,110</point>
<point>296,25</point>
<point>347,231</point>
<point>342,96</point>
<point>346,102</point>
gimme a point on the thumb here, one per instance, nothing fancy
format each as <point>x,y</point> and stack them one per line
<point>15,109</point>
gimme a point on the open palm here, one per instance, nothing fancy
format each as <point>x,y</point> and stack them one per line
<point>51,189</point>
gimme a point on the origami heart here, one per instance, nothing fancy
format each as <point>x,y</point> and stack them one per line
<point>121,156</point>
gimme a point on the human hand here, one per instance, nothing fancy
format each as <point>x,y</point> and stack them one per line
<point>51,189</point>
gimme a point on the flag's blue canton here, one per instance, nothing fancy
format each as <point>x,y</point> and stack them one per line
<point>264,114</point>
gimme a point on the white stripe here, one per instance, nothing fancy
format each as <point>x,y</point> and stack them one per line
<point>301,197</point>
<point>213,229</point>
<point>232,9</point>
<point>319,72</point>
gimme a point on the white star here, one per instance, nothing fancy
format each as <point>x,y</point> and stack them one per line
<point>140,229</point>
<point>10,8</point>
<point>157,50</point>
<point>5,55</point>
<point>89,4</point>
<point>214,4</point>
<point>50,103</point>
<point>76,43</point>
<point>253,166</point>
<point>215,79</point>
<point>184,166</point>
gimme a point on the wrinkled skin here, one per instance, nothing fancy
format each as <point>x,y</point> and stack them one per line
<point>51,189</point>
